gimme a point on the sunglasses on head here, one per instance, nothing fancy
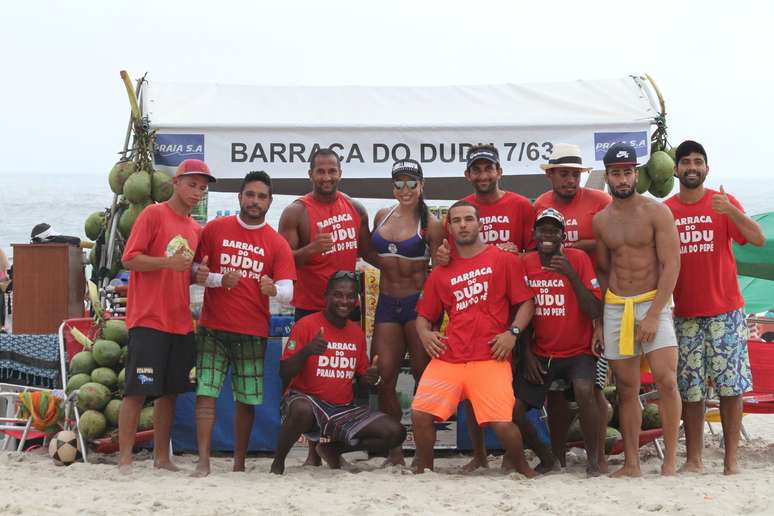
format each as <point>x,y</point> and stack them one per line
<point>344,274</point>
<point>399,184</point>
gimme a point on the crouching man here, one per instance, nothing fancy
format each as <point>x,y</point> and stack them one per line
<point>324,354</point>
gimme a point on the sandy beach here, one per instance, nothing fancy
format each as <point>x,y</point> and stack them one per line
<point>31,484</point>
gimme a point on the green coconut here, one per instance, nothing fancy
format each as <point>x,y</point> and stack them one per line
<point>93,225</point>
<point>609,412</point>
<point>115,330</point>
<point>673,154</point>
<point>106,352</point>
<point>611,394</point>
<point>92,424</point>
<point>137,188</point>
<point>105,376</point>
<point>662,189</point>
<point>161,186</point>
<point>146,419</point>
<point>612,435</point>
<point>77,381</point>
<point>128,217</point>
<point>651,418</point>
<point>119,174</point>
<point>93,396</point>
<point>660,167</point>
<point>121,379</point>
<point>643,180</point>
<point>82,362</point>
<point>112,409</point>
<point>124,354</point>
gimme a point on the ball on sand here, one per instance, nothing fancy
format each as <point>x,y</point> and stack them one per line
<point>64,448</point>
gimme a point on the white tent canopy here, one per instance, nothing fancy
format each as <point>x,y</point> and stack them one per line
<point>238,128</point>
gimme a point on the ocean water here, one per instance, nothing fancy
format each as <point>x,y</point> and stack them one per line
<point>65,200</point>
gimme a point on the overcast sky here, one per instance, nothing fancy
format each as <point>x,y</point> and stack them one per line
<point>64,107</point>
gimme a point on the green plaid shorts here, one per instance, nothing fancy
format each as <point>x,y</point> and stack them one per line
<point>216,351</point>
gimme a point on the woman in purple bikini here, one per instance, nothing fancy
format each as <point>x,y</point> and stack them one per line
<point>404,237</point>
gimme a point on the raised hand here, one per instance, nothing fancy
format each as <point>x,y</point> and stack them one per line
<point>442,254</point>
<point>721,203</point>
<point>323,242</point>
<point>508,246</point>
<point>317,345</point>
<point>179,261</point>
<point>202,272</point>
<point>230,279</point>
<point>559,263</point>
<point>267,286</point>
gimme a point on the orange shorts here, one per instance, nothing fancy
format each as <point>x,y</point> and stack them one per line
<point>486,383</point>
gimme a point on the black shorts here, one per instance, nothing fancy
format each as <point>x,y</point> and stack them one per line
<point>158,363</point>
<point>299,313</point>
<point>581,367</point>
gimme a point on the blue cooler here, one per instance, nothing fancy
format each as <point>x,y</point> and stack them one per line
<point>490,441</point>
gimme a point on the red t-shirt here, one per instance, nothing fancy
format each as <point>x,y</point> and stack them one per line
<point>160,299</point>
<point>478,294</point>
<point>562,329</point>
<point>328,376</point>
<point>252,251</point>
<point>707,284</point>
<point>509,219</point>
<point>577,213</point>
<point>342,220</point>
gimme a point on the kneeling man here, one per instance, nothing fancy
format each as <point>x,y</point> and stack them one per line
<point>324,354</point>
<point>473,360</point>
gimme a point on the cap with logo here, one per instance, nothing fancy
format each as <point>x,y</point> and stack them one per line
<point>620,154</point>
<point>194,167</point>
<point>486,152</point>
<point>408,167</point>
<point>552,215</point>
<point>565,155</point>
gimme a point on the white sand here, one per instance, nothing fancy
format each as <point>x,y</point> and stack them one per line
<point>31,484</point>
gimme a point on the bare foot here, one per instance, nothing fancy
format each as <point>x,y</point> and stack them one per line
<point>525,470</point>
<point>202,470</point>
<point>692,467</point>
<point>394,458</point>
<point>312,460</point>
<point>547,467</point>
<point>125,469</point>
<point>603,467</point>
<point>475,463</point>
<point>592,471</point>
<point>731,468</point>
<point>668,469</point>
<point>277,467</point>
<point>167,465</point>
<point>239,467</point>
<point>627,471</point>
<point>330,454</point>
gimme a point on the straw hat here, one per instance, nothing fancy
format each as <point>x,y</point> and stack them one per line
<point>565,155</point>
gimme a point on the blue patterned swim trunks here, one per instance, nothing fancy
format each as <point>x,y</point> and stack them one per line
<point>712,349</point>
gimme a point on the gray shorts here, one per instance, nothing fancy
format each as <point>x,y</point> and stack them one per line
<point>665,334</point>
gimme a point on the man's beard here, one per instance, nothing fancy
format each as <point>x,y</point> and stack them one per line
<point>621,195</point>
<point>692,184</point>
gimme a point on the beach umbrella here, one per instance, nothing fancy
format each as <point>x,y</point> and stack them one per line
<point>758,262</point>
<point>758,294</point>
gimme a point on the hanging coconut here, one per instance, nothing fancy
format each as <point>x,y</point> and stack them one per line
<point>660,167</point>
<point>128,217</point>
<point>93,225</point>
<point>661,189</point>
<point>137,188</point>
<point>643,180</point>
<point>119,174</point>
<point>161,186</point>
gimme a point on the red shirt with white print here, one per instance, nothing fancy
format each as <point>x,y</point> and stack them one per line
<point>478,294</point>
<point>328,376</point>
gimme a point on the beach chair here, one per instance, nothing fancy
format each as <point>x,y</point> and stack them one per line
<point>760,400</point>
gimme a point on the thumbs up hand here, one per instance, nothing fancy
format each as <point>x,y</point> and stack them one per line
<point>317,345</point>
<point>202,272</point>
<point>371,376</point>
<point>323,242</point>
<point>721,203</point>
<point>179,261</point>
<point>267,286</point>
<point>442,255</point>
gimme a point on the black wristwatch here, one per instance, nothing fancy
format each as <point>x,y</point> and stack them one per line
<point>515,331</point>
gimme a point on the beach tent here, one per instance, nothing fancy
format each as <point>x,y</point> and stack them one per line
<point>758,262</point>
<point>758,294</point>
<point>239,128</point>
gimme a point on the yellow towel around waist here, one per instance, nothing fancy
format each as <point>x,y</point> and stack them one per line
<point>626,340</point>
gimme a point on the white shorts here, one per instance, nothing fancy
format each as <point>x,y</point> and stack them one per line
<point>665,334</point>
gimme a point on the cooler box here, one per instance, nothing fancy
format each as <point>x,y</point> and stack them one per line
<point>490,441</point>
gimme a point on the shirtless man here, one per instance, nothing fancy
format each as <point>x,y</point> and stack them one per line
<point>638,261</point>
